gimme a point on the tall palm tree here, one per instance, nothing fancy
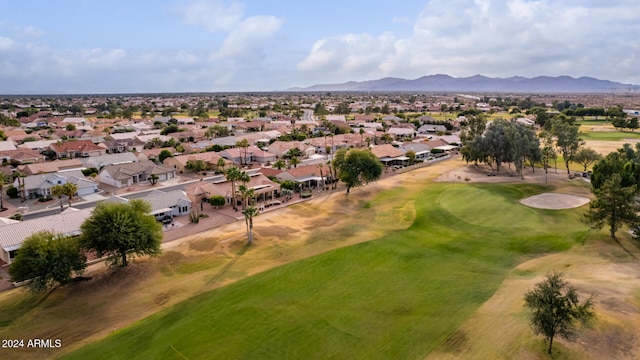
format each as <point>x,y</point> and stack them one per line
<point>361,131</point>
<point>58,190</point>
<point>246,193</point>
<point>70,189</point>
<point>233,174</point>
<point>320,166</point>
<point>249,213</point>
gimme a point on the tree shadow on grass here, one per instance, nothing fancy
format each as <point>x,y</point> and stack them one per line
<point>218,276</point>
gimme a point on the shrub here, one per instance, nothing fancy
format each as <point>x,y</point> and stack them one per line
<point>288,184</point>
<point>217,200</point>
<point>194,217</point>
<point>13,192</point>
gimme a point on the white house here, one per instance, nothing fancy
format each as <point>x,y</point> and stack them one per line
<point>41,184</point>
<point>13,235</point>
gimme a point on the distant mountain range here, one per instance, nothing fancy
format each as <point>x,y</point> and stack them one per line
<point>479,83</point>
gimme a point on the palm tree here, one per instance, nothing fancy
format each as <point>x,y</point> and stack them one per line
<point>249,213</point>
<point>153,179</point>
<point>58,190</point>
<point>294,161</point>
<point>320,166</point>
<point>361,131</point>
<point>221,164</point>
<point>386,138</point>
<point>3,180</point>
<point>244,143</point>
<point>70,189</point>
<point>246,193</point>
<point>233,174</point>
<point>279,164</point>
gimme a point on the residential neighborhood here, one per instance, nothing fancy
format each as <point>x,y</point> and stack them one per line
<point>108,156</point>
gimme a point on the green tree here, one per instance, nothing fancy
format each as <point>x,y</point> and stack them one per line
<point>153,179</point>
<point>294,161</point>
<point>279,164</point>
<point>249,213</point>
<point>233,174</point>
<point>567,139</point>
<point>411,155</point>
<point>624,162</point>
<point>554,309</point>
<point>70,189</point>
<point>586,156</point>
<point>497,143</point>
<point>164,154</point>
<point>220,164</point>
<point>3,136</point>
<point>246,193</point>
<point>70,127</point>
<point>196,165</point>
<point>473,146</point>
<point>357,167</point>
<point>293,152</point>
<point>217,200</point>
<point>121,229</point>
<point>173,128</point>
<point>548,151</point>
<point>614,205</point>
<point>58,191</point>
<point>46,259</point>
<point>244,145</point>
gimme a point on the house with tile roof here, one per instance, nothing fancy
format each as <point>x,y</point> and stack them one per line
<point>389,155</point>
<point>22,156</point>
<point>179,163</point>
<point>124,175</point>
<point>75,149</point>
<point>264,189</point>
<point>50,166</point>
<point>309,176</point>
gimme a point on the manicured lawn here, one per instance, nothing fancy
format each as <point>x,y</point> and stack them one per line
<point>396,297</point>
<point>609,135</point>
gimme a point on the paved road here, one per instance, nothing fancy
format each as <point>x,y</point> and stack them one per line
<point>307,115</point>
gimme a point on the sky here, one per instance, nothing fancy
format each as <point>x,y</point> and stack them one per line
<point>164,46</point>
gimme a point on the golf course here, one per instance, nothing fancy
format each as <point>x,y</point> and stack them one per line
<point>406,268</point>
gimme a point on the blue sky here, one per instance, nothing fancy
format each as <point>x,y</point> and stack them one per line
<point>91,46</point>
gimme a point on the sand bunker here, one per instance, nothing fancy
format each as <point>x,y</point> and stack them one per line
<point>554,201</point>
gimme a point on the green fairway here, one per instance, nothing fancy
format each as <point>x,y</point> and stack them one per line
<point>396,297</point>
<point>609,135</point>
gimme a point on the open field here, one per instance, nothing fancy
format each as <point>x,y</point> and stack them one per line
<point>404,267</point>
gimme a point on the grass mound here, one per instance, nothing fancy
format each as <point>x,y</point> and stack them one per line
<point>398,296</point>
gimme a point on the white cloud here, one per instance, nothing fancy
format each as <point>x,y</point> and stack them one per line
<point>249,36</point>
<point>215,16</point>
<point>31,32</point>
<point>494,38</point>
